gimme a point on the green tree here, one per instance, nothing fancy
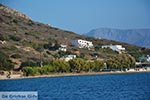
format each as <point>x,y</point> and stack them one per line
<point>98,65</point>
<point>60,66</point>
<point>85,66</point>
<point>30,63</point>
<point>47,69</point>
<point>76,64</point>
<point>121,61</point>
<point>31,71</point>
<point>27,71</point>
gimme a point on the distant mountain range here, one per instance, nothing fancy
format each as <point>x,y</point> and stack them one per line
<point>139,37</point>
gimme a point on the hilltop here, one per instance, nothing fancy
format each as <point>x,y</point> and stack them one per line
<point>139,37</point>
<point>26,42</point>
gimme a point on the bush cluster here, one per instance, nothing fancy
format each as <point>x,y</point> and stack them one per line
<point>5,63</point>
<point>60,66</point>
<point>15,37</point>
<point>121,61</point>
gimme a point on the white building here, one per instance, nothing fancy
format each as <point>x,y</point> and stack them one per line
<point>117,48</point>
<point>69,57</point>
<point>63,48</point>
<point>82,43</point>
<point>2,42</point>
<point>146,58</point>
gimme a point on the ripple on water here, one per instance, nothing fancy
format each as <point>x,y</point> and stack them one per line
<point>95,87</point>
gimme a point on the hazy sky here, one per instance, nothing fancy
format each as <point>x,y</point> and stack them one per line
<point>83,15</point>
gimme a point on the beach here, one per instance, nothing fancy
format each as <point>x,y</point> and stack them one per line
<point>20,76</point>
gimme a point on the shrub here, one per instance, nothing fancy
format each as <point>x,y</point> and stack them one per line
<point>60,66</point>
<point>98,65</point>
<point>47,69</point>
<point>4,37</point>
<point>121,61</point>
<point>5,63</point>
<point>9,48</point>
<point>15,21</point>
<point>16,56</point>
<point>31,71</point>
<point>45,54</point>
<point>35,34</point>
<point>76,64</point>
<point>48,52</point>
<point>29,63</point>
<point>30,23</point>
<point>15,37</point>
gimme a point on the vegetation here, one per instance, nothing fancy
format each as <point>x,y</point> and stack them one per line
<point>15,37</point>
<point>60,66</point>
<point>30,63</point>
<point>5,63</point>
<point>35,45</point>
<point>16,56</point>
<point>121,61</point>
<point>30,23</point>
<point>44,40</point>
<point>31,71</point>
<point>98,65</point>
<point>15,21</point>
<point>3,37</point>
<point>33,33</point>
<point>13,48</point>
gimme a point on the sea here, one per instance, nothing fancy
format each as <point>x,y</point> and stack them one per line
<point>131,86</point>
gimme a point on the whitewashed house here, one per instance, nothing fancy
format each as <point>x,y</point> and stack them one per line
<point>117,48</point>
<point>82,43</point>
<point>2,42</point>
<point>63,48</point>
<point>69,57</point>
<point>146,58</point>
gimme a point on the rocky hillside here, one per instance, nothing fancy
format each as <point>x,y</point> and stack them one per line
<point>139,37</point>
<point>26,42</point>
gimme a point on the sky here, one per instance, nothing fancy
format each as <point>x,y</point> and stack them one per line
<point>81,16</point>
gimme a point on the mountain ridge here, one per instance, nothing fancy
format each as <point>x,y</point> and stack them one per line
<point>139,37</point>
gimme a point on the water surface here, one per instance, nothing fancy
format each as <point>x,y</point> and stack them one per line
<point>133,86</point>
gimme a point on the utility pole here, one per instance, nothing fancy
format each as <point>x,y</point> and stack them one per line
<point>41,62</point>
<point>105,64</point>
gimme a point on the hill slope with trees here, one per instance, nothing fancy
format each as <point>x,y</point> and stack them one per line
<point>25,42</point>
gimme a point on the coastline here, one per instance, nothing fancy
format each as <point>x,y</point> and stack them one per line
<point>70,74</point>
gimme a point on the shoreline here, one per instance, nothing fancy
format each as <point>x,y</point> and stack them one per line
<point>70,74</point>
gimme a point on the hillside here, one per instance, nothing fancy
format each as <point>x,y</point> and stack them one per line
<point>25,42</point>
<point>139,37</point>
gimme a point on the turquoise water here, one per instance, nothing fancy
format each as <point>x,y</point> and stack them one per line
<point>133,86</point>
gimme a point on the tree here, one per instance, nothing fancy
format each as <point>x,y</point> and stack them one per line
<point>47,69</point>
<point>30,63</point>
<point>60,66</point>
<point>98,65</point>
<point>31,71</point>
<point>76,64</point>
<point>85,66</point>
<point>121,61</point>
<point>27,71</point>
